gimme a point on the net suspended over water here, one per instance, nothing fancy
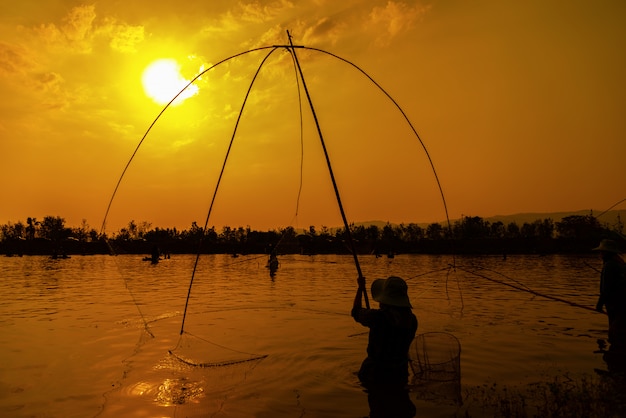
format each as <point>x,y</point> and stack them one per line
<point>197,351</point>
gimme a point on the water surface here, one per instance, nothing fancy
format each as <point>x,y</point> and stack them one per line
<point>91,335</point>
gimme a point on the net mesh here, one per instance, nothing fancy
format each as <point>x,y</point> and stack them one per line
<point>435,362</point>
<point>435,357</point>
<point>193,350</point>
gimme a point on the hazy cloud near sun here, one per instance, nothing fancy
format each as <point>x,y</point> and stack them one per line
<point>38,57</point>
<point>379,21</point>
<point>41,56</point>
<point>394,18</point>
<point>82,28</point>
<point>76,32</point>
<point>124,38</point>
<point>257,13</point>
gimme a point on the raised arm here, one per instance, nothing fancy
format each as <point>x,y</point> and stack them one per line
<point>358,298</point>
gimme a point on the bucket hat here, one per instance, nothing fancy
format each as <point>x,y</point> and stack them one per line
<point>608,245</point>
<point>391,291</point>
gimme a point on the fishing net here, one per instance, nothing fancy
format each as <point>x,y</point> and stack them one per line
<point>435,361</point>
<point>156,290</point>
<point>197,351</point>
<point>436,356</point>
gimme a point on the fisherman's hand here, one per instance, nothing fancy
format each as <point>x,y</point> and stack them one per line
<point>361,282</point>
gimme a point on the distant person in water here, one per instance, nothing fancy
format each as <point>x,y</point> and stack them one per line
<point>272,262</point>
<point>155,254</point>
<point>385,370</point>
<point>613,292</point>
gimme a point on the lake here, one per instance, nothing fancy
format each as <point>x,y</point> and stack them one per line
<point>100,336</point>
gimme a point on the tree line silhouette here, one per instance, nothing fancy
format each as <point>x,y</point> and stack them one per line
<point>468,235</point>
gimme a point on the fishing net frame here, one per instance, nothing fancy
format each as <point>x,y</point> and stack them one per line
<point>291,48</point>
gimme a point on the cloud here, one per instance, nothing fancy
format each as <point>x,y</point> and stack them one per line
<point>123,130</point>
<point>17,64</point>
<point>38,61</point>
<point>49,82</point>
<point>79,23</point>
<point>124,38</point>
<point>257,13</point>
<point>80,30</point>
<point>74,34</point>
<point>395,18</point>
<point>325,30</point>
<point>244,14</point>
<point>14,59</point>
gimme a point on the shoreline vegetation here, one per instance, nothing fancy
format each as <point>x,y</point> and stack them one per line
<point>575,234</point>
<point>601,394</point>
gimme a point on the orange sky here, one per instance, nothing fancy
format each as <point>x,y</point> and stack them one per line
<point>520,105</point>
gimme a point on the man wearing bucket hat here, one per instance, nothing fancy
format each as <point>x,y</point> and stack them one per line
<point>392,329</point>
<point>613,291</point>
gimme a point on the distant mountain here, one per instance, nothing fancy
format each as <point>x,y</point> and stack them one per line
<point>611,217</point>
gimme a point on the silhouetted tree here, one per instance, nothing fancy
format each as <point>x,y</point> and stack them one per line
<point>497,230</point>
<point>471,227</point>
<point>324,232</point>
<point>194,234</point>
<point>545,228</point>
<point>31,229</point>
<point>577,226</point>
<point>142,228</point>
<point>288,233</point>
<point>411,233</point>
<point>131,231</point>
<point>53,228</point>
<point>81,233</point>
<point>512,230</point>
<point>434,231</point>
<point>528,230</point>
<point>93,235</point>
<point>13,231</point>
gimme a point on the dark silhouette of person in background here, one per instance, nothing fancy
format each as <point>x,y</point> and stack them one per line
<point>272,261</point>
<point>613,290</point>
<point>385,371</point>
<point>613,297</point>
<point>155,255</point>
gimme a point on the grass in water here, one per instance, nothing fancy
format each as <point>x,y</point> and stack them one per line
<point>589,396</point>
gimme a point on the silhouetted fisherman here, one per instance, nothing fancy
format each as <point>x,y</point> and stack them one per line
<point>385,370</point>
<point>613,293</point>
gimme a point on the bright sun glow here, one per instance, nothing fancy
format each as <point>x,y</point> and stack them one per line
<point>162,80</point>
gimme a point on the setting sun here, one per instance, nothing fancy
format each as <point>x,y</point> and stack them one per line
<point>162,80</point>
